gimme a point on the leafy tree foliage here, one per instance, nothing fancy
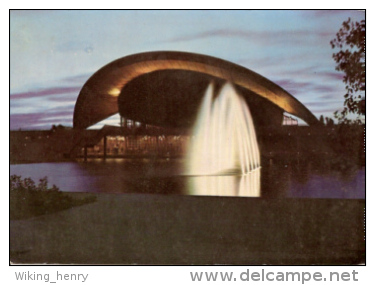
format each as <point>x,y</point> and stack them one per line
<point>350,40</point>
<point>26,199</point>
<point>326,121</point>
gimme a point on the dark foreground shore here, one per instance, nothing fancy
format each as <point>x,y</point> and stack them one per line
<point>173,229</point>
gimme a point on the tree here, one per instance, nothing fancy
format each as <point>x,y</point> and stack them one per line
<point>326,121</point>
<point>321,119</point>
<point>350,40</point>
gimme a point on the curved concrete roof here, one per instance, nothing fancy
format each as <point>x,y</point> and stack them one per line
<point>98,98</point>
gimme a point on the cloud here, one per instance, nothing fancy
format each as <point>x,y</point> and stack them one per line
<point>64,98</point>
<point>45,92</point>
<point>309,89</point>
<point>332,75</point>
<point>329,97</point>
<point>289,84</point>
<point>323,88</point>
<point>81,78</point>
<point>42,108</point>
<point>328,110</point>
<point>330,13</point>
<point>32,120</point>
<point>269,37</point>
<point>323,103</point>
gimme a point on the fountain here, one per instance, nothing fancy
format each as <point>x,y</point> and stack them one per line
<point>223,140</point>
<point>224,145</point>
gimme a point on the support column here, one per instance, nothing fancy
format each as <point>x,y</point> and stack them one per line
<point>105,147</point>
<point>85,153</point>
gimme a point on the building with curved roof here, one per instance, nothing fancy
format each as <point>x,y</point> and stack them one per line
<point>165,88</point>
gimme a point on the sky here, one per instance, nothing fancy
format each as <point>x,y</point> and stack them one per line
<point>53,53</point>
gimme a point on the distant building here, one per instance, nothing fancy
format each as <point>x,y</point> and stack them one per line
<point>289,121</point>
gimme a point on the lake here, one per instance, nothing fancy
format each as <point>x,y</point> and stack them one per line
<point>281,178</point>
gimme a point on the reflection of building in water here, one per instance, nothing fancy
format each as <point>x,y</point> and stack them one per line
<point>247,185</point>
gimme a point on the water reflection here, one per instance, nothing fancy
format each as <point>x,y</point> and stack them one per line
<point>247,185</point>
<point>279,178</point>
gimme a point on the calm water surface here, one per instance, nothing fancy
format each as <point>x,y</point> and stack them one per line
<point>275,179</point>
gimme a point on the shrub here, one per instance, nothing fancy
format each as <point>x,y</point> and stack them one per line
<point>28,199</point>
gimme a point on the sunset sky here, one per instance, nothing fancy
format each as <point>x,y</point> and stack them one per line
<point>53,53</point>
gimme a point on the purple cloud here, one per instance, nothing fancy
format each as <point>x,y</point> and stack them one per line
<point>330,13</point>
<point>301,88</point>
<point>289,84</point>
<point>64,98</point>
<point>332,75</point>
<point>34,120</point>
<point>323,108</point>
<point>323,103</point>
<point>81,79</point>
<point>323,88</point>
<point>255,36</point>
<point>328,97</point>
<point>45,92</point>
